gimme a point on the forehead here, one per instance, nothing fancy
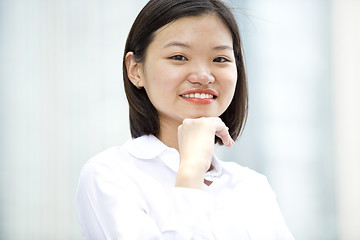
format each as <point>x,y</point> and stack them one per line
<point>195,29</point>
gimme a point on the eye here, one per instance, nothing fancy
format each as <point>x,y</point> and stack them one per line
<point>221,60</point>
<point>178,58</point>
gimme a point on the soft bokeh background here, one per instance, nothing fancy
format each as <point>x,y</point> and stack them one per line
<point>62,101</point>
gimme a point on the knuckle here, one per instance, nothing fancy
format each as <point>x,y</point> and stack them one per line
<point>187,122</point>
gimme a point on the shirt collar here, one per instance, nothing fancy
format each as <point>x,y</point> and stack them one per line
<point>150,147</point>
<point>145,147</point>
<point>216,171</point>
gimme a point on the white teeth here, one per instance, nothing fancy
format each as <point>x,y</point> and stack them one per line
<point>198,95</point>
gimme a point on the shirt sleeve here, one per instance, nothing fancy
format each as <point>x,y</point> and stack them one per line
<point>111,206</point>
<point>189,215</point>
<point>266,218</point>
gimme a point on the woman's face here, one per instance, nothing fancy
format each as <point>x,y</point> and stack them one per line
<point>189,69</point>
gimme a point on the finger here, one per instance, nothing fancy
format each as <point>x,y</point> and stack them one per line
<point>223,133</point>
<point>225,137</point>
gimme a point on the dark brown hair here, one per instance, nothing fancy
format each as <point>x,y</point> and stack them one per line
<point>144,119</point>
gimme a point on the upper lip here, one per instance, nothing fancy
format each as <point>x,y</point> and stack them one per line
<point>200,90</point>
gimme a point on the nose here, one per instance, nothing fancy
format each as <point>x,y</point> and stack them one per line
<point>201,75</point>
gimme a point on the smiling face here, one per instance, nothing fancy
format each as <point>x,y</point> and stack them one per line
<point>189,69</point>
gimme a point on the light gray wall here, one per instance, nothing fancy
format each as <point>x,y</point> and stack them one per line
<point>62,101</point>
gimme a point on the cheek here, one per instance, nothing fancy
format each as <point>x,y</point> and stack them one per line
<point>232,80</point>
<point>161,84</point>
<point>162,79</point>
<point>229,81</point>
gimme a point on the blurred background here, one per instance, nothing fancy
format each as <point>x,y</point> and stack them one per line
<point>62,101</point>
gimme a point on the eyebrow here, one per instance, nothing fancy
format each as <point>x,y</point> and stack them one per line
<point>177,44</point>
<point>184,45</point>
<point>223,47</point>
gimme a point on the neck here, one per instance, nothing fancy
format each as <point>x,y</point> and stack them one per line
<point>169,134</point>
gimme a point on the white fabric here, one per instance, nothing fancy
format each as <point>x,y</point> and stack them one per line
<point>128,193</point>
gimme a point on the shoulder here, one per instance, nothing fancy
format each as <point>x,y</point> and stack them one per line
<point>241,171</point>
<point>123,160</point>
<point>107,172</point>
<point>247,178</point>
<point>108,164</point>
<point>132,149</point>
<point>110,157</point>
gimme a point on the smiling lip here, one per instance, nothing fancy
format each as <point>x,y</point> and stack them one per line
<point>199,96</point>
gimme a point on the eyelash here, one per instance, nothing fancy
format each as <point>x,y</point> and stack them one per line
<point>178,58</point>
<point>221,60</point>
<point>182,58</point>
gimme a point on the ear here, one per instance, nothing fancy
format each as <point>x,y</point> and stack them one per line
<point>134,70</point>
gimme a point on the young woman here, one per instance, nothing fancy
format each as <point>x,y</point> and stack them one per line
<point>185,82</point>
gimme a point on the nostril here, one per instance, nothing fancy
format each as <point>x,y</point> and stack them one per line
<point>202,78</point>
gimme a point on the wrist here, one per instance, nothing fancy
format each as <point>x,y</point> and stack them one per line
<point>189,177</point>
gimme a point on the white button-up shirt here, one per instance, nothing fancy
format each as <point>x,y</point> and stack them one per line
<point>128,192</point>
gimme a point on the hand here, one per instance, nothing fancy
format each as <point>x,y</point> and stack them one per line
<point>196,139</point>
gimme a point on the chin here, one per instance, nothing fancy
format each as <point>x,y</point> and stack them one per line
<point>200,115</point>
